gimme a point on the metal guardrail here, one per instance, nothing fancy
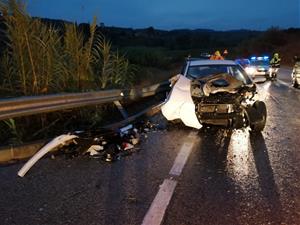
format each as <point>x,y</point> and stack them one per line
<point>11,154</point>
<point>25,106</point>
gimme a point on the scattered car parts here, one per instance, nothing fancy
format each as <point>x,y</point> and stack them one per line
<point>57,142</point>
<point>107,145</point>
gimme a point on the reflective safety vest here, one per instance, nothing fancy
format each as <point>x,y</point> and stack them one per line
<point>275,62</point>
<point>216,57</point>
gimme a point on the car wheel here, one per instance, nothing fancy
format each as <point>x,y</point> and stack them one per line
<point>295,83</point>
<point>257,116</point>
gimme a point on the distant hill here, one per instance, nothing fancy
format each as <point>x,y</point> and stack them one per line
<point>240,42</point>
<point>173,39</point>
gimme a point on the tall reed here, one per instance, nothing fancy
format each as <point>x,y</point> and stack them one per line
<point>39,60</point>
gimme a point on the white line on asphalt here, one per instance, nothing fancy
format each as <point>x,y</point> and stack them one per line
<point>289,85</point>
<point>288,70</point>
<point>274,99</point>
<point>264,92</point>
<point>192,135</point>
<point>159,205</point>
<point>181,159</point>
<point>283,83</point>
<point>162,199</point>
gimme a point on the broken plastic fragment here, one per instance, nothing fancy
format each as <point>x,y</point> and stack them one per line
<point>125,130</point>
<point>78,132</point>
<point>93,152</point>
<point>57,142</point>
<point>134,141</point>
<point>96,139</point>
<point>127,146</point>
<point>108,158</point>
<point>94,149</point>
<point>112,152</point>
<point>146,129</point>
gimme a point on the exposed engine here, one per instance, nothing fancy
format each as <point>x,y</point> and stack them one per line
<point>222,100</point>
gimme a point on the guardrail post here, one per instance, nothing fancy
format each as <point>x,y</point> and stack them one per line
<point>121,109</point>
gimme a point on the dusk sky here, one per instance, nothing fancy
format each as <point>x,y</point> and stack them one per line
<point>174,14</point>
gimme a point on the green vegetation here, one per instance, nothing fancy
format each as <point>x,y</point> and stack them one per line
<point>40,59</point>
<point>147,56</point>
<point>12,128</point>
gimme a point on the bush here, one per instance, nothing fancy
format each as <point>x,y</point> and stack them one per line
<point>40,59</point>
<point>147,56</point>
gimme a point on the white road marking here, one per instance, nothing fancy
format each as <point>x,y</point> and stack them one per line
<point>265,94</point>
<point>192,135</point>
<point>284,83</point>
<point>289,85</point>
<point>162,199</point>
<point>181,159</point>
<point>288,70</point>
<point>158,207</point>
<point>274,99</point>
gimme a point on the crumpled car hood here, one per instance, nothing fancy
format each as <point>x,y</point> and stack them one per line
<point>219,83</point>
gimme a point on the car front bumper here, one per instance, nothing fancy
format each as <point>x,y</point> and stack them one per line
<point>258,73</point>
<point>220,115</point>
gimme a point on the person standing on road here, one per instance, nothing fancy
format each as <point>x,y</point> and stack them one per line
<point>275,65</point>
<point>275,61</point>
<point>296,71</point>
<point>217,56</point>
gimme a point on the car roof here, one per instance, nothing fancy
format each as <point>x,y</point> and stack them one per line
<point>200,62</point>
<point>242,59</point>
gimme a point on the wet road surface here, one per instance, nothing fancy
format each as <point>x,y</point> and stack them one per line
<point>230,177</point>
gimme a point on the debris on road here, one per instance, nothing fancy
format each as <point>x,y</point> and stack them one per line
<point>125,130</point>
<point>106,145</point>
<point>57,142</point>
<point>95,149</point>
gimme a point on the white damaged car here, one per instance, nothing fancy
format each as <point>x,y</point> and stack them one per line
<point>215,92</point>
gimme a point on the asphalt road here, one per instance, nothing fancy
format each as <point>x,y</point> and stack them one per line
<point>227,177</point>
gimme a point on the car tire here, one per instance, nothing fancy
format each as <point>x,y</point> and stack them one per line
<point>257,116</point>
<point>295,83</point>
